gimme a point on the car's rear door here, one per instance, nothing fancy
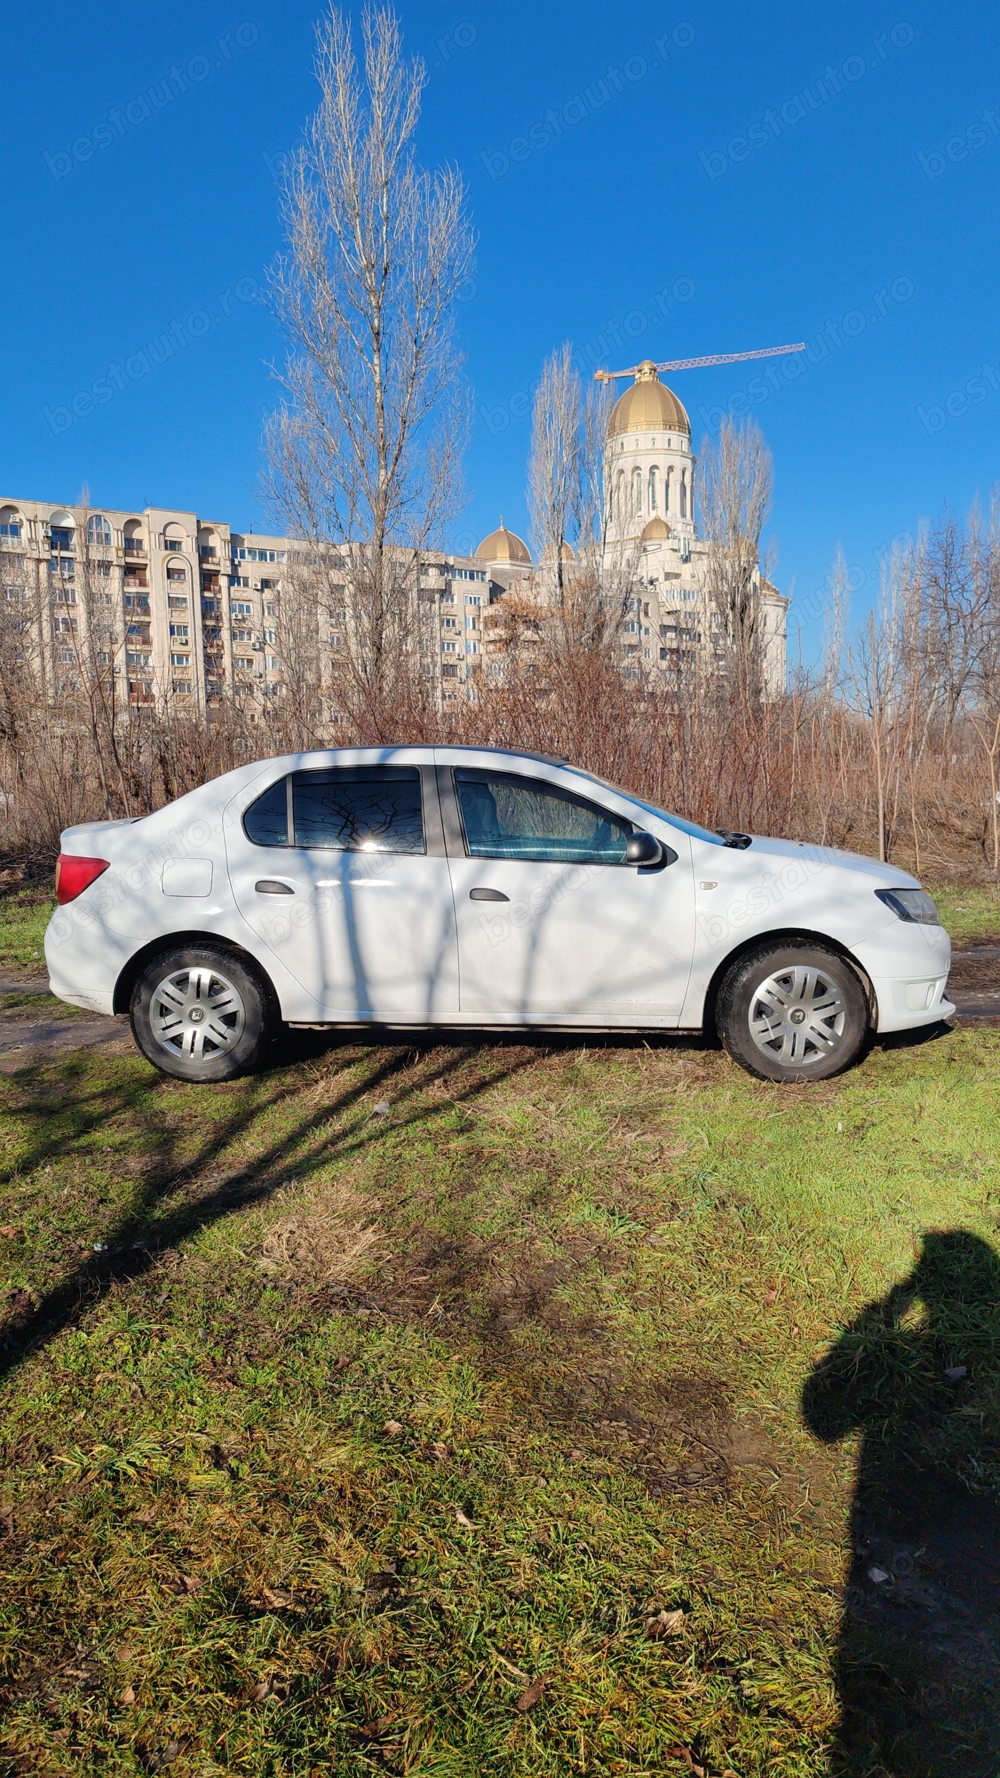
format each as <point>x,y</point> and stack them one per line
<point>341,870</point>
<point>552,924</point>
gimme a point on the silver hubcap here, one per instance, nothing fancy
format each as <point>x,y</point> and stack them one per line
<point>797,1016</point>
<point>197,1014</point>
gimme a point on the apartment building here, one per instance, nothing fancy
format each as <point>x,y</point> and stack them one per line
<point>175,608</point>
<point>166,608</point>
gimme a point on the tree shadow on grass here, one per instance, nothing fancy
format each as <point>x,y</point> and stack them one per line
<point>183,1195</point>
<point>918,1375</point>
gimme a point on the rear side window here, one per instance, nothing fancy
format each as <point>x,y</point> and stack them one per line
<point>507,816</point>
<point>266,820</point>
<point>359,809</point>
<point>344,809</point>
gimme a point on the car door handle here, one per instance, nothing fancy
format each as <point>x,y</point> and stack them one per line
<point>271,886</point>
<point>488,895</point>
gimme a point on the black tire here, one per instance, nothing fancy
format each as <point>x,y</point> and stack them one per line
<point>236,1015</point>
<point>758,1004</point>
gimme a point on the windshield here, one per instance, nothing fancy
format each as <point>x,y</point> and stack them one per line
<point>689,827</point>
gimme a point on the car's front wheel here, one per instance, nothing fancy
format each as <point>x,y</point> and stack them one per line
<point>200,1014</point>
<point>792,1012</point>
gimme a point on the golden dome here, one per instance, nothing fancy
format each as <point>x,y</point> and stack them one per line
<point>566,552</point>
<point>656,530</point>
<point>503,546</point>
<point>649,406</point>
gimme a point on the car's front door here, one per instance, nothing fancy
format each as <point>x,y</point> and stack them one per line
<point>341,871</point>
<point>552,923</point>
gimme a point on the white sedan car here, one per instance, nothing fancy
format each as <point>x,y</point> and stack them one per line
<point>463,886</point>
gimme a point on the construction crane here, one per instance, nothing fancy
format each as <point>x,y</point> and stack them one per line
<point>606,376</point>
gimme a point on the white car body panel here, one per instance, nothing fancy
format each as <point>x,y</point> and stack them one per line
<point>394,938</point>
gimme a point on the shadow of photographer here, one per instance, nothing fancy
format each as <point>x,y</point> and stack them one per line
<point>918,1660</point>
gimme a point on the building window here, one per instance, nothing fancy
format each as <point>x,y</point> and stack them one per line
<point>239,580</point>
<point>134,659</point>
<point>179,632</point>
<point>61,537</point>
<point>182,687</point>
<point>684,494</point>
<point>241,608</point>
<point>180,660</point>
<point>472,648</point>
<point>10,532</point>
<point>637,492</point>
<point>177,604</point>
<point>653,475</point>
<point>98,531</point>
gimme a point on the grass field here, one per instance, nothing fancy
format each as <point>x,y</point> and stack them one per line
<point>438,1411</point>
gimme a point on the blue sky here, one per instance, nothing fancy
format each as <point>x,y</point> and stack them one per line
<point>824,173</point>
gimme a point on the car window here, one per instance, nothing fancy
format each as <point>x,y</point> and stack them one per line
<point>507,816</point>
<point>266,820</point>
<point>359,809</point>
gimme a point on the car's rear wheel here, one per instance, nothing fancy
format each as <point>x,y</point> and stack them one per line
<point>792,1012</point>
<point>200,1014</point>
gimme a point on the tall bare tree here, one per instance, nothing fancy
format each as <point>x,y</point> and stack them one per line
<point>554,466</point>
<point>735,502</point>
<point>365,450</point>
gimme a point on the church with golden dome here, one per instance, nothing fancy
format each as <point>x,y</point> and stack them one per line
<point>650,522</point>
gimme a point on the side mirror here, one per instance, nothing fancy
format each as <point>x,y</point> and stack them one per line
<point>642,848</point>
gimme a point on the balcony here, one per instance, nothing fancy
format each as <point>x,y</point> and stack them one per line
<point>134,548</point>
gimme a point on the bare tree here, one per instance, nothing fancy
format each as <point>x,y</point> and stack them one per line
<point>365,451</point>
<point>554,466</point>
<point>735,501</point>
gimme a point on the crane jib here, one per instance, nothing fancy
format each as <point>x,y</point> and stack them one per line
<point>700,363</point>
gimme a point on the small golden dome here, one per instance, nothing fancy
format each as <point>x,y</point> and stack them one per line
<point>503,546</point>
<point>656,530</point>
<point>566,552</point>
<point>649,406</point>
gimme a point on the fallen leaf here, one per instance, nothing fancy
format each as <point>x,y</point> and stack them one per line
<point>954,1375</point>
<point>393,1427</point>
<point>878,1575</point>
<point>463,1520</point>
<point>279,1599</point>
<point>665,1623</point>
<point>684,1753</point>
<point>376,1727</point>
<point>529,1699</point>
<point>264,1690</point>
<point>440,1451</point>
<point>386,1582</point>
<point>128,1695</point>
<point>192,1583</point>
<point>770,1296</point>
<point>383,1108</point>
<point>9,1230</point>
<point>576,1456</point>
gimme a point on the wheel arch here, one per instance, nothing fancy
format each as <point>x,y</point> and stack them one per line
<point>796,935</point>
<point>172,942</point>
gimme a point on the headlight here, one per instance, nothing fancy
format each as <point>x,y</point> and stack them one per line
<point>911,904</point>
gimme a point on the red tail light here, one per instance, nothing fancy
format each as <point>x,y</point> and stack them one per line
<point>73,875</point>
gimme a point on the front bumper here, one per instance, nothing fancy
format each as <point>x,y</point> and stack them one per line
<point>908,967</point>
